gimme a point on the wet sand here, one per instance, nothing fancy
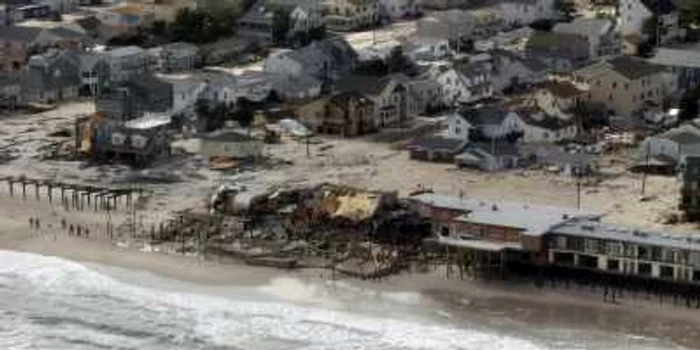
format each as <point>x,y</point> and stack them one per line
<point>521,302</point>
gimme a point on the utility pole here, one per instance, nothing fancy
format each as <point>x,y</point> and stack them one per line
<point>646,169</point>
<point>308,142</point>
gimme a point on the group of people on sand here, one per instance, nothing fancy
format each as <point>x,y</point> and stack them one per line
<point>78,230</point>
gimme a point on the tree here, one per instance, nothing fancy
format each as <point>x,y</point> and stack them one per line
<point>398,62</point>
<point>281,24</point>
<point>689,104</point>
<point>317,33</point>
<point>566,8</point>
<point>373,67</point>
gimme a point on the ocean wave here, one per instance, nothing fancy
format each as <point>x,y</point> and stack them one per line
<point>54,303</point>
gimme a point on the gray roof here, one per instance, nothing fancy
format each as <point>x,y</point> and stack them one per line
<point>336,52</point>
<point>534,220</point>
<point>634,68</point>
<point>491,115</point>
<point>550,44</point>
<point>676,57</point>
<point>598,230</point>
<point>497,148</point>
<point>53,70</point>
<point>439,144</point>
<point>23,34</point>
<point>368,84</point>
<point>290,85</point>
<point>588,27</point>
<point>685,134</point>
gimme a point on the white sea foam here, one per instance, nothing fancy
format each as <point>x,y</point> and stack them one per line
<point>66,302</point>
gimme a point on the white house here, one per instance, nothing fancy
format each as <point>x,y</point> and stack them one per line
<point>538,127</point>
<point>462,83</point>
<point>329,59</point>
<point>523,12</point>
<point>635,13</point>
<point>398,9</point>
<point>489,122</point>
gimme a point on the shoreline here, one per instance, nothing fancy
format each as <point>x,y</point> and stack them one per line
<point>524,303</point>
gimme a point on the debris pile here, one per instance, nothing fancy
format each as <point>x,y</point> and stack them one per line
<point>357,232</point>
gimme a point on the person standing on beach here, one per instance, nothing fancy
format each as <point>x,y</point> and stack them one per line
<point>78,230</point>
<point>31,222</point>
<point>87,232</point>
<point>70,230</point>
<point>37,224</point>
<point>63,224</point>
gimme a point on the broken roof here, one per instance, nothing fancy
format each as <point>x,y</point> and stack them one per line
<point>562,89</point>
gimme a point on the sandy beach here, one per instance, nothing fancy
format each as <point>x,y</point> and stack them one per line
<point>521,302</point>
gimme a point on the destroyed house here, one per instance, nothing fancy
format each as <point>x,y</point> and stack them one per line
<point>139,140</point>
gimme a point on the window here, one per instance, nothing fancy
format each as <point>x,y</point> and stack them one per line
<point>458,130</point>
<point>644,269</point>
<point>561,242</point>
<point>614,85</point>
<point>610,97</point>
<point>666,271</point>
<point>613,265</point>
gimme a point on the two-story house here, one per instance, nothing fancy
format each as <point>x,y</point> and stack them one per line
<point>624,84</point>
<point>127,62</point>
<point>257,23</point>
<point>349,114</point>
<point>347,15</point>
<point>604,38</point>
<point>389,95</point>
<point>174,57</point>
<point>51,77</point>
<point>638,17</point>
<point>463,82</point>
<point>510,70</point>
<point>326,60</point>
